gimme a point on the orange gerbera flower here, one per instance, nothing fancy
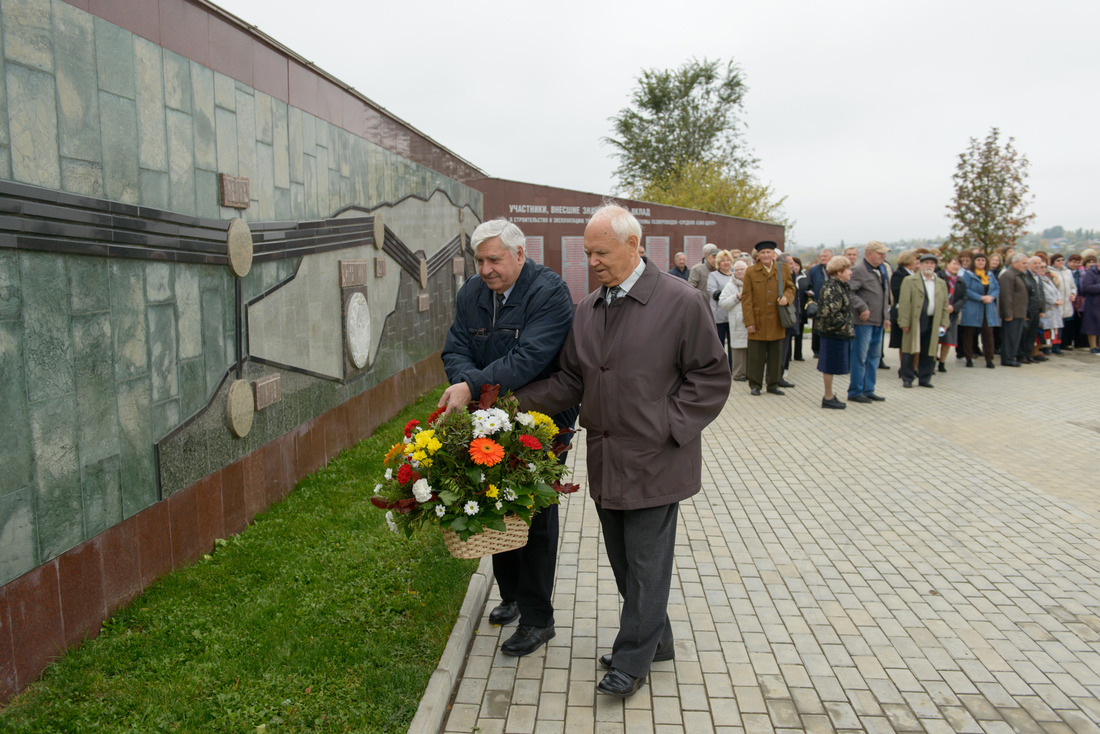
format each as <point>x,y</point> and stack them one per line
<point>486,452</point>
<point>398,449</point>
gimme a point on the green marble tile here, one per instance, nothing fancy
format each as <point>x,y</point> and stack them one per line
<point>120,156</point>
<point>225,124</point>
<point>192,386</point>
<point>159,282</point>
<point>281,143</point>
<point>214,355</point>
<point>177,82</point>
<point>263,185</point>
<point>58,502</point>
<point>246,135</point>
<point>27,29</point>
<point>33,126</point>
<point>154,188</point>
<point>115,58</point>
<point>127,281</point>
<point>77,98</point>
<point>151,136</point>
<point>181,162</point>
<point>10,299</point>
<point>96,415</point>
<point>101,489</point>
<point>162,352</point>
<point>47,343</point>
<point>16,455</point>
<point>297,155</point>
<point>166,416</point>
<point>136,443</point>
<point>225,91</point>
<point>265,124</point>
<point>207,194</point>
<point>189,310</point>
<point>18,542</point>
<point>5,152</point>
<point>202,113</point>
<point>82,177</point>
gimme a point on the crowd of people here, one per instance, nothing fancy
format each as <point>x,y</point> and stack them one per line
<point>1024,308</point>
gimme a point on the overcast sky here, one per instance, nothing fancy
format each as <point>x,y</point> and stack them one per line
<point>857,109</point>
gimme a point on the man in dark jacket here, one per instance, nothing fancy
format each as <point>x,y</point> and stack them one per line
<point>870,298</point>
<point>1013,302</point>
<point>816,278</point>
<point>510,322</point>
<point>680,266</point>
<point>1036,305</point>
<point>645,400</point>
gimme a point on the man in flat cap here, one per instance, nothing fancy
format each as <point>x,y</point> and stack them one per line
<point>761,298</point>
<point>922,312</point>
<point>701,271</point>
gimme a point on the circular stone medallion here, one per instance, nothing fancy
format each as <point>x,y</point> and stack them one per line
<point>240,406</point>
<point>358,330</point>
<point>240,248</point>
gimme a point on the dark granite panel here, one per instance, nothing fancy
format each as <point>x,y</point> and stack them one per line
<point>274,471</point>
<point>121,554</point>
<point>184,28</point>
<point>304,91</point>
<point>230,50</point>
<point>9,683</point>
<point>304,461</point>
<point>211,513</point>
<point>80,578</point>
<point>255,484</point>
<point>141,18</point>
<point>233,503</point>
<point>35,612</point>
<point>184,516</point>
<point>154,533</point>
<point>332,99</point>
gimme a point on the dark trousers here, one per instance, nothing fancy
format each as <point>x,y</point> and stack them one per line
<point>926,363</point>
<point>724,340</point>
<point>640,545</point>
<point>761,353</point>
<point>1070,330</point>
<point>526,575</point>
<point>970,340</point>
<point>815,342</point>
<point>1011,333</point>
<point>1027,342</point>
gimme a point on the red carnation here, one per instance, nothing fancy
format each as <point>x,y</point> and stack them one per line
<point>530,442</point>
<point>435,414</point>
<point>410,426</point>
<point>404,474</point>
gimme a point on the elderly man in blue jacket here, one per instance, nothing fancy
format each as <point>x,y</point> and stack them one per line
<point>510,322</point>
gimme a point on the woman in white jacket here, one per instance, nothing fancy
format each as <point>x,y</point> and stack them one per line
<point>1068,287</point>
<point>729,300</point>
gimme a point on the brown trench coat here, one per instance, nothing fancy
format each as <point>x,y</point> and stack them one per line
<point>759,298</point>
<point>910,303</point>
<point>650,375</point>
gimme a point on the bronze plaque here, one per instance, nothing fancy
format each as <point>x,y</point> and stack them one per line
<point>234,191</point>
<point>353,273</point>
<point>423,301</point>
<point>379,267</point>
<point>269,390</point>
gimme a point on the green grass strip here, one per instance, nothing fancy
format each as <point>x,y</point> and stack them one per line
<point>315,618</point>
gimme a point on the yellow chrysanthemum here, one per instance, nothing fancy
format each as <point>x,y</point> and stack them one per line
<point>492,491</point>
<point>426,441</point>
<point>540,418</point>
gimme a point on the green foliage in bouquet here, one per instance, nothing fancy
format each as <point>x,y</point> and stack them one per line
<point>467,469</point>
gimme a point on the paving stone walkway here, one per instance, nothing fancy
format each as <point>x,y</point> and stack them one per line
<point>931,563</point>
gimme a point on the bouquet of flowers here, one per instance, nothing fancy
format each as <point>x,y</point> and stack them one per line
<point>468,469</point>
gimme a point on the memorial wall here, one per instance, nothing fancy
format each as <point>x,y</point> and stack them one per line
<point>219,266</point>
<point>553,220</point>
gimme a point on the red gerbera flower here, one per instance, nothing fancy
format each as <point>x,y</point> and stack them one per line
<point>486,452</point>
<point>410,426</point>
<point>530,442</point>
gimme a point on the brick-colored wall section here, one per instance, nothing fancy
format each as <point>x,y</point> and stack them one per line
<point>64,601</point>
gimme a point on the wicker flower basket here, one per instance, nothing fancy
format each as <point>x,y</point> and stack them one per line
<point>488,542</point>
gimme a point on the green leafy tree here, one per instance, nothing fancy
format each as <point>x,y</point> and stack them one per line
<point>679,117</point>
<point>989,209</point>
<point>707,185</point>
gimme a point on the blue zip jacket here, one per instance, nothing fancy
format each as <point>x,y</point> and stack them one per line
<point>972,309</point>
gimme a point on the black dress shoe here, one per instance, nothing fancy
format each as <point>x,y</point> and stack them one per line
<point>989,364</point>
<point>784,383</point>
<point>969,362</point>
<point>776,391</point>
<point>1008,364</point>
<point>859,399</point>
<point>526,640</point>
<point>832,403</point>
<point>740,379</point>
<point>876,398</point>
<point>883,366</point>
<point>754,391</point>
<point>659,657</point>
<point>942,367</point>
<point>1039,358</point>
<point>619,684</point>
<point>506,612</point>
<point>907,383</point>
<point>925,383</point>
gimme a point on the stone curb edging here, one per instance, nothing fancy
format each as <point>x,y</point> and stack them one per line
<point>432,711</point>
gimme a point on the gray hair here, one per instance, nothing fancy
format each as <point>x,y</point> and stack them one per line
<point>623,223</point>
<point>510,235</point>
<point>1018,257</point>
<point>710,249</point>
<point>875,246</point>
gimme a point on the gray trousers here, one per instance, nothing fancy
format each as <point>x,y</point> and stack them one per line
<point>640,545</point>
<point>1012,333</point>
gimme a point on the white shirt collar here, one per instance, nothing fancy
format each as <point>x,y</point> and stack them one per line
<point>631,279</point>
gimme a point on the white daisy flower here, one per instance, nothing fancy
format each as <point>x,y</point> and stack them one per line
<point>378,488</point>
<point>509,494</point>
<point>439,511</point>
<point>470,508</point>
<point>389,474</point>
<point>525,419</point>
<point>390,522</point>
<point>422,491</point>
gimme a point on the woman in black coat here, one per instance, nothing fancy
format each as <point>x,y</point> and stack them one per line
<point>906,266</point>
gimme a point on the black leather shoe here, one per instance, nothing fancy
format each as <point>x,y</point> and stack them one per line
<point>784,383</point>
<point>1039,358</point>
<point>969,362</point>
<point>754,391</point>
<point>507,612</point>
<point>883,366</point>
<point>907,383</point>
<point>876,398</point>
<point>832,404</point>
<point>659,657</point>
<point>1008,364</point>
<point>989,364</point>
<point>775,391</point>
<point>859,399</point>
<point>619,684</point>
<point>925,383</point>
<point>526,640</point>
<point>740,379</point>
<point>942,367</point>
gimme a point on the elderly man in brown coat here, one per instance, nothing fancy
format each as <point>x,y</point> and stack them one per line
<point>760,302</point>
<point>922,313</point>
<point>1013,302</point>
<point>645,400</point>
